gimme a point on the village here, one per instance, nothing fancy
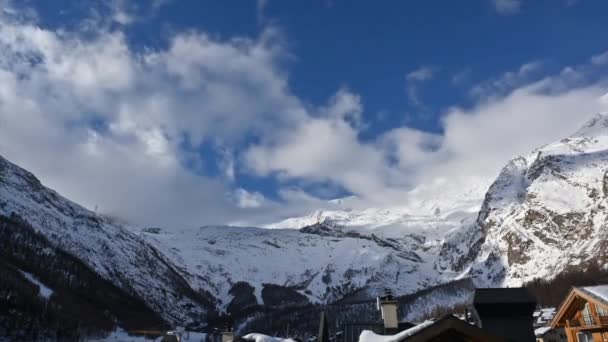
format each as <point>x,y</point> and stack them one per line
<point>494,315</point>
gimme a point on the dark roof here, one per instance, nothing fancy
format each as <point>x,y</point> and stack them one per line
<point>516,295</point>
<point>450,328</point>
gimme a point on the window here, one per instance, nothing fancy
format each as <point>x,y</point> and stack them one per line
<point>587,317</point>
<point>601,311</point>
<point>583,337</point>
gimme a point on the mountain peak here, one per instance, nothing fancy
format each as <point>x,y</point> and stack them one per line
<point>597,125</point>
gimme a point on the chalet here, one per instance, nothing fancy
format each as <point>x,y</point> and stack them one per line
<point>584,314</point>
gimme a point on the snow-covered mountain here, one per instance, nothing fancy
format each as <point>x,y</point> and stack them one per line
<point>113,252</point>
<point>544,213</point>
<point>318,264</point>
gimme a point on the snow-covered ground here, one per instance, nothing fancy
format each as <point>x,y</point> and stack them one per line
<point>265,338</point>
<point>119,335</point>
<point>370,336</point>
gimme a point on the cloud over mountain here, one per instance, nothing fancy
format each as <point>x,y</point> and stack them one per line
<point>164,135</point>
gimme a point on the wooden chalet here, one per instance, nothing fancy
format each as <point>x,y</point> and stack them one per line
<point>584,314</point>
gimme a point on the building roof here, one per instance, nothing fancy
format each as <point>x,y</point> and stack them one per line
<point>515,295</point>
<point>539,332</point>
<point>448,326</point>
<point>544,316</point>
<point>599,292</point>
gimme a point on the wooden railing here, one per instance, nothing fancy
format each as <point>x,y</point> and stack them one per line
<point>597,320</point>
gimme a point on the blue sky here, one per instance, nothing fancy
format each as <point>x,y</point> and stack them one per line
<point>246,112</point>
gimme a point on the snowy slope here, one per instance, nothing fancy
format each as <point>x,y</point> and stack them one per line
<point>546,211</point>
<point>337,253</point>
<point>105,246</point>
<point>321,264</point>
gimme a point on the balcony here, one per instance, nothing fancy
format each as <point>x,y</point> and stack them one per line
<point>597,321</point>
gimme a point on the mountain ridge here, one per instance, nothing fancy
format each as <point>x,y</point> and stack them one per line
<point>545,212</point>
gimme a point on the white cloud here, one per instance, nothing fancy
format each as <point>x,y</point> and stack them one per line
<point>246,199</point>
<point>600,59</point>
<point>126,12</point>
<point>476,142</point>
<point>508,81</point>
<point>119,128</point>
<point>424,73</point>
<point>324,148</point>
<point>105,124</point>
<point>507,7</point>
<point>413,79</point>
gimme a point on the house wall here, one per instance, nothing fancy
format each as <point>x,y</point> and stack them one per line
<point>599,337</point>
<point>598,332</point>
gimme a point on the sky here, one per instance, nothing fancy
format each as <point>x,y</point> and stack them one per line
<point>184,113</point>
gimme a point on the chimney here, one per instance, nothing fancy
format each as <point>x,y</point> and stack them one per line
<point>323,329</point>
<point>387,305</point>
<point>505,312</point>
<point>227,334</point>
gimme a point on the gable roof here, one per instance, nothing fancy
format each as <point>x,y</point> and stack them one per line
<point>576,299</point>
<point>599,293</point>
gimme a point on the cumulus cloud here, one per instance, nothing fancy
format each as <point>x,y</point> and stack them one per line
<point>128,131</point>
<point>324,148</point>
<point>476,141</point>
<point>107,125</point>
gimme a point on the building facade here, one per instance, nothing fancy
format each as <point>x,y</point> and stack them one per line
<point>584,314</point>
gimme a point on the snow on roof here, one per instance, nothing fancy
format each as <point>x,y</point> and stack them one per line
<point>370,336</point>
<point>544,315</point>
<point>265,338</point>
<point>541,331</point>
<point>600,291</point>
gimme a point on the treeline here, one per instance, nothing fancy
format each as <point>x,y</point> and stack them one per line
<point>550,293</point>
<point>302,321</point>
<point>82,303</point>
